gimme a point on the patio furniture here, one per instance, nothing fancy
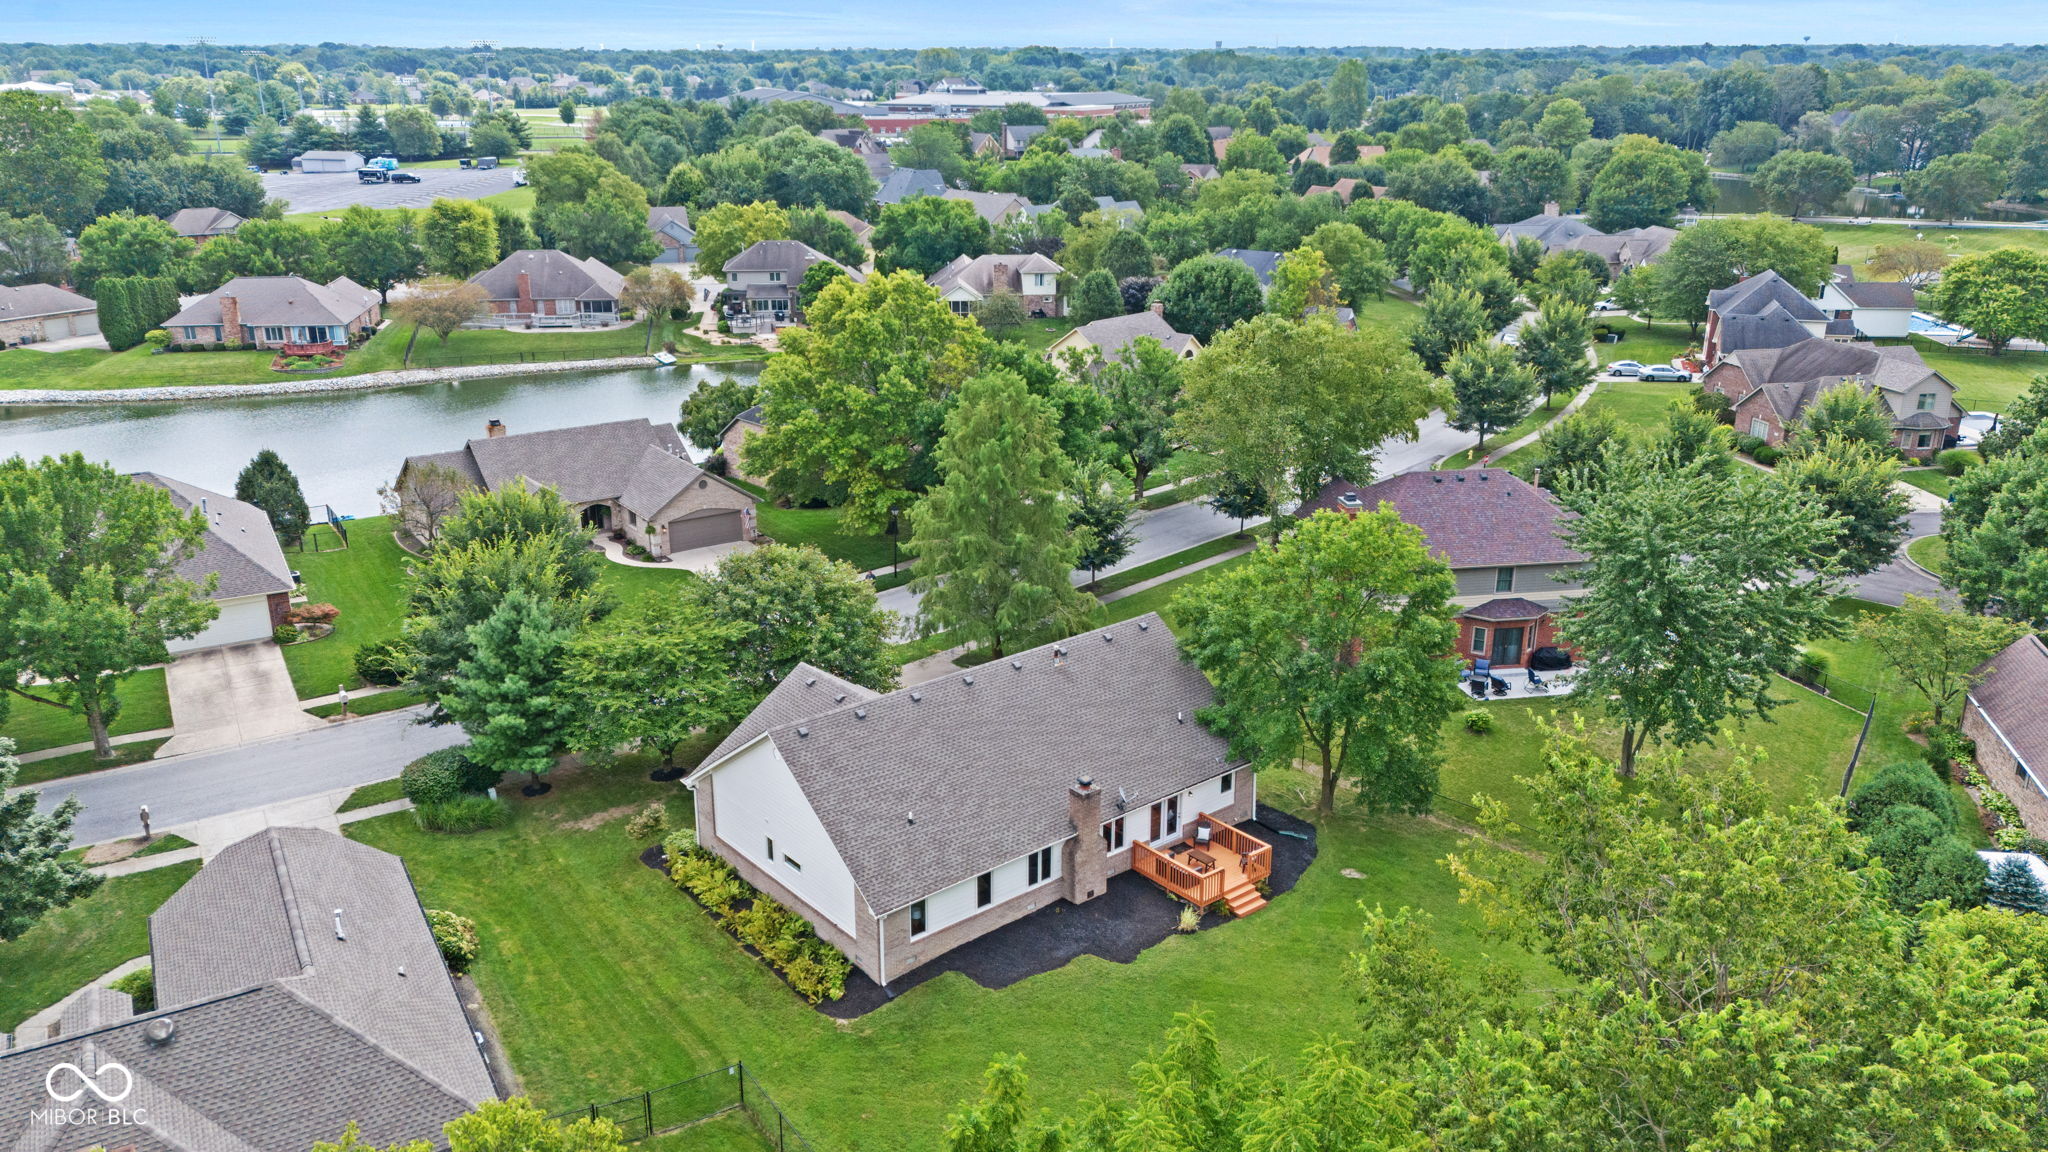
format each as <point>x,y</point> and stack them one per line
<point>1500,686</point>
<point>1202,860</point>
<point>1202,834</point>
<point>1537,683</point>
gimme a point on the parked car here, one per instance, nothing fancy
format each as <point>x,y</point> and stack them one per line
<point>1624,368</point>
<point>1606,306</point>
<point>253,167</point>
<point>1665,374</point>
<point>405,178</point>
<point>519,181</point>
<point>1974,426</point>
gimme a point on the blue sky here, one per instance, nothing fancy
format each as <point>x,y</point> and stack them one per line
<point>1145,23</point>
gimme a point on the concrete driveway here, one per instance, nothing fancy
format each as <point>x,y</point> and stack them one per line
<point>224,697</point>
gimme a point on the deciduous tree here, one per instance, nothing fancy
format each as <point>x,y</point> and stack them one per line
<point>1205,295</point>
<point>1800,183</point>
<point>926,233</point>
<point>1453,319</point>
<point>376,249</point>
<point>1956,185</point>
<point>510,693</point>
<point>50,163</point>
<point>707,411</point>
<point>2001,295</point>
<point>1102,519</point>
<point>653,675</point>
<point>1859,485</point>
<point>441,306</point>
<point>1937,650</point>
<point>459,238</point>
<point>1554,345</point>
<point>1997,531</point>
<point>1490,388</point>
<point>1142,385</point>
<point>796,604</point>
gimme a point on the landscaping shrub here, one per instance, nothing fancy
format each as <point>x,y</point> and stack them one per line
<point>1747,444</point>
<point>1767,456</point>
<point>157,338</point>
<point>469,813</point>
<point>1900,783</point>
<point>285,634</point>
<point>386,662</point>
<point>1478,721</point>
<point>716,464</point>
<point>650,823</point>
<point>784,939</point>
<point>1955,461</point>
<point>140,985</point>
<point>1811,666</point>
<point>314,613</point>
<point>1947,746</point>
<point>1190,919</point>
<point>432,779</point>
<point>2014,886</point>
<point>456,937</point>
<point>1716,405</point>
<point>1925,859</point>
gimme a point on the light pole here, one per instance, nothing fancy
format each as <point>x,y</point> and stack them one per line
<point>894,513</point>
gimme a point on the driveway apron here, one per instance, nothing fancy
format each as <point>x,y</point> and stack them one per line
<point>224,697</point>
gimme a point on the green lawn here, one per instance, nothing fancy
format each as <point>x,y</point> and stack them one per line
<point>144,705</point>
<point>1636,404</point>
<point>75,763</point>
<point>85,369</point>
<point>1929,480</point>
<point>1389,314</point>
<point>1931,553</point>
<point>821,529</point>
<point>604,980</point>
<point>1855,243</point>
<point>364,580</point>
<point>631,584</point>
<point>370,795</point>
<point>370,705</point>
<point>1165,564</point>
<point>83,941</point>
<point>1537,418</point>
<point>1984,383</point>
<point>515,200</point>
<point>1038,335</point>
<point>1654,344</point>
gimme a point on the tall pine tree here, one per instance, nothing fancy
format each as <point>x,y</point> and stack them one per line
<point>994,557</point>
<point>268,483</point>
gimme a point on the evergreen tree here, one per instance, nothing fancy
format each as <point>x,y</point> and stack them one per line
<point>1097,298</point>
<point>509,694</point>
<point>35,876</point>
<point>994,557</point>
<point>268,483</point>
<point>2014,886</point>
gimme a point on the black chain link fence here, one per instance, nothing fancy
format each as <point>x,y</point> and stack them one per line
<point>703,1097</point>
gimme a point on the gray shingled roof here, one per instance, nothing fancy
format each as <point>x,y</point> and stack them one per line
<point>1758,292</point>
<point>1774,327</point>
<point>1112,333</point>
<point>1553,232</point>
<point>240,544</point>
<point>2011,694</point>
<point>658,478</point>
<point>586,462</point>
<point>1470,517</point>
<point>281,300</point>
<point>31,300</point>
<point>1261,262</point>
<point>555,275</point>
<point>978,272</point>
<point>1507,608</point>
<point>903,183</point>
<point>985,766</point>
<point>993,207</point>
<point>792,258</point>
<point>197,222</point>
<point>806,691</point>
<point>284,1031</point>
<point>1879,293</point>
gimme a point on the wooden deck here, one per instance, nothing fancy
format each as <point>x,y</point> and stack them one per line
<point>1228,869</point>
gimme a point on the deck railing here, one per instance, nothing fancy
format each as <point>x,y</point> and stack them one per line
<point>1255,855</point>
<point>1195,887</point>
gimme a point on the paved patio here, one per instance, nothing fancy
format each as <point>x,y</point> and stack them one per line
<point>1558,684</point>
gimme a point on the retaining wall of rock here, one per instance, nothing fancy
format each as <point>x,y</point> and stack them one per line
<point>300,387</point>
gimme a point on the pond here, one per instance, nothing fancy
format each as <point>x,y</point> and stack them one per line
<point>1735,194</point>
<point>345,445</point>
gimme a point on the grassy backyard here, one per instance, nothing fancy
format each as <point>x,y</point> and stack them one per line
<point>365,581</point>
<point>821,529</point>
<point>1984,383</point>
<point>82,942</point>
<point>1637,404</point>
<point>1854,243</point>
<point>1656,343</point>
<point>145,705</point>
<point>1932,480</point>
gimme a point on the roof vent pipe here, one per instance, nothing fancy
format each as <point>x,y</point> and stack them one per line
<point>339,934</point>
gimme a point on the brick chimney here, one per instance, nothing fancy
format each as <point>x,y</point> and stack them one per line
<point>1551,208</point>
<point>999,277</point>
<point>494,428</point>
<point>230,318</point>
<point>1158,308</point>
<point>525,282</point>
<point>1088,874</point>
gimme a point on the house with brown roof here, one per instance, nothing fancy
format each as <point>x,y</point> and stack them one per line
<point>630,476</point>
<point>1033,279</point>
<point>202,224</point>
<point>1623,250</point>
<point>1344,190</point>
<point>298,990</point>
<point>547,287</point>
<point>240,554</point>
<point>279,312</point>
<point>1100,341</point>
<point>994,207</point>
<point>905,824</point>
<point>1504,540</point>
<point>2007,715</point>
<point>33,313</point>
<point>1771,388</point>
<point>761,282</point>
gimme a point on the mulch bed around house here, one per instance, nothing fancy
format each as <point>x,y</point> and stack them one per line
<point>1131,916</point>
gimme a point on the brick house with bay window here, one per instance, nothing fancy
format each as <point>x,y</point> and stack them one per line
<point>1504,541</point>
<point>279,312</point>
<point>1770,389</point>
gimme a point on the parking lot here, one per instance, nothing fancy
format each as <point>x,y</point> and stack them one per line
<point>333,191</point>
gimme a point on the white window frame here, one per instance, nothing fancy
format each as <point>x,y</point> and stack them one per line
<point>1478,641</point>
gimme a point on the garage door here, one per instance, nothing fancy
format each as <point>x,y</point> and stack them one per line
<point>56,327</point>
<point>240,620</point>
<point>700,531</point>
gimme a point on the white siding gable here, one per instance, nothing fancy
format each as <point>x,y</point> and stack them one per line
<point>755,799</point>
<point>951,905</point>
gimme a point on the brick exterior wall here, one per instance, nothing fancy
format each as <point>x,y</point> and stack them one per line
<point>1759,408</point>
<point>280,605</point>
<point>1541,633</point>
<point>730,447</point>
<point>2001,769</point>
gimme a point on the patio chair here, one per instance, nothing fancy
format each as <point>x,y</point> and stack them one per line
<point>1202,833</point>
<point>1537,683</point>
<point>1500,686</point>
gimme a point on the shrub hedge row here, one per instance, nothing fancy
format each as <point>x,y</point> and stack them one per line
<point>786,940</point>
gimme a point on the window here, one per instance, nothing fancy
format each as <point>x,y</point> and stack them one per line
<point>1113,834</point>
<point>1759,428</point>
<point>984,889</point>
<point>917,919</point>
<point>276,335</point>
<point>1923,440</point>
<point>1504,580</point>
<point>1479,641</point>
<point>1038,866</point>
<point>1925,402</point>
<point>771,849</point>
<point>775,277</point>
<point>960,307</point>
<point>632,517</point>
<point>795,865</point>
<point>732,277</point>
<point>1225,782</point>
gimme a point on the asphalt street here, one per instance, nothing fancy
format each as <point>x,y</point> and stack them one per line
<point>333,191</point>
<point>182,789</point>
<point>1891,583</point>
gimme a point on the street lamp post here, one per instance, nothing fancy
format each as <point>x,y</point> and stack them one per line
<point>894,513</point>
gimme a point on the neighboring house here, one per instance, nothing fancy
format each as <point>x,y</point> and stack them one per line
<point>2005,715</point>
<point>862,230</point>
<point>734,437</point>
<point>1770,389</point>
<point>764,279</point>
<point>627,475</point>
<point>1015,138</point>
<point>1875,309</point>
<point>1105,339</point>
<point>202,224</point>
<point>279,312</point>
<point>547,282</point>
<point>903,183</point>
<point>1262,264</point>
<point>254,592</point>
<point>299,990</point>
<point>1200,172</point>
<point>326,161</point>
<point>863,144</point>
<point>32,313</point>
<point>671,228</point>
<point>956,84</point>
<point>1629,248</point>
<point>968,280</point>
<point>994,207</point>
<point>1504,540</point>
<point>1343,189</point>
<point>982,144</point>
<point>1766,294</point>
<point>907,824</point>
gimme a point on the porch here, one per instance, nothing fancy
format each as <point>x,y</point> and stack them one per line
<point>1212,861</point>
